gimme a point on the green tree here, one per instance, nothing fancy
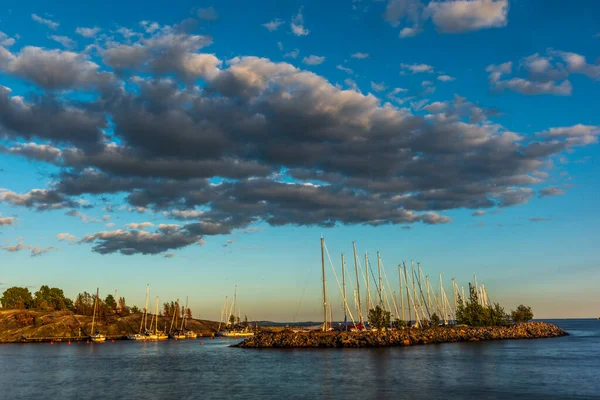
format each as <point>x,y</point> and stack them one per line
<point>522,314</point>
<point>110,302</point>
<point>379,318</point>
<point>135,310</point>
<point>470,312</point>
<point>17,298</point>
<point>435,320</point>
<point>496,316</point>
<point>123,309</point>
<point>51,298</point>
<point>232,319</point>
<point>398,323</point>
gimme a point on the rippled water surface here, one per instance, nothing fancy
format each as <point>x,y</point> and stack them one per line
<point>560,368</point>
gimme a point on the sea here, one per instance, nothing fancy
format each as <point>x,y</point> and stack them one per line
<point>557,368</point>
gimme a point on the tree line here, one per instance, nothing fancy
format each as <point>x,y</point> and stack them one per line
<point>468,312</point>
<point>54,299</point>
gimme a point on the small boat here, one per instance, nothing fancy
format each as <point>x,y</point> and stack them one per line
<point>236,333</point>
<point>143,331</point>
<point>97,337</point>
<point>191,335</point>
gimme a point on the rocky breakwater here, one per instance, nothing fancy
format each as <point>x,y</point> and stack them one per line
<point>400,337</point>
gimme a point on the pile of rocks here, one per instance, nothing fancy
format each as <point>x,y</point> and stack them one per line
<point>400,337</point>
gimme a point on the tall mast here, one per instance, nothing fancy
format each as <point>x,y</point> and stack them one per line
<point>234,302</point>
<point>368,288</point>
<point>443,295</point>
<point>360,313</point>
<point>156,317</point>
<point>419,275</point>
<point>401,296</point>
<point>407,296</point>
<point>344,292</point>
<point>184,314</point>
<point>175,312</point>
<point>145,317</point>
<point>94,312</point>
<point>227,311</point>
<point>414,287</point>
<point>380,281</point>
<point>324,285</point>
<point>117,300</point>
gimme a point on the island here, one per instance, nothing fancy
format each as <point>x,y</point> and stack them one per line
<point>399,336</point>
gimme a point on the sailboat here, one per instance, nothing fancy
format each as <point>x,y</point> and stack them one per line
<point>157,335</point>
<point>233,330</point>
<point>143,331</point>
<point>96,336</point>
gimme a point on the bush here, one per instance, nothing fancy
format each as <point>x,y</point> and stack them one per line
<point>521,314</point>
<point>435,320</point>
<point>379,318</point>
<point>472,313</point>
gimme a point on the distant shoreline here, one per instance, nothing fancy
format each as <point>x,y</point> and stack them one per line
<point>400,337</point>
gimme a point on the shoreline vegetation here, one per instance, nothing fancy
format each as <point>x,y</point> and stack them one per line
<point>399,336</point>
<point>32,325</point>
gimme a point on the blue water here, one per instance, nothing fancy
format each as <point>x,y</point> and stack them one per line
<point>559,368</point>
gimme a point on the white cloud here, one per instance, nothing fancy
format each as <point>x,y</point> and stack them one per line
<point>445,78</point>
<point>297,24</point>
<point>273,25</point>
<point>141,225</point>
<point>65,41</point>
<point>345,69</point>
<point>313,60</point>
<point>149,26</point>
<point>5,40</point>
<point>378,87</point>
<point>426,83</point>
<point>417,68</point>
<point>207,14</point>
<point>360,56</point>
<point>351,84</point>
<point>409,32</point>
<point>280,46</point>
<point>468,15</point>
<point>292,54</point>
<point>5,221</point>
<point>87,32</point>
<point>48,22</point>
<point>66,237</point>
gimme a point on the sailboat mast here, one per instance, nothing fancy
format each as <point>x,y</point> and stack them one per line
<point>344,291</point>
<point>368,286</point>
<point>146,308</point>
<point>184,314</point>
<point>401,295</point>
<point>94,312</point>
<point>407,293</point>
<point>156,317</point>
<point>234,303</point>
<point>380,281</point>
<point>324,285</point>
<point>360,313</point>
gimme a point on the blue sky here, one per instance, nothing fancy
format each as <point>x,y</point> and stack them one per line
<point>461,134</point>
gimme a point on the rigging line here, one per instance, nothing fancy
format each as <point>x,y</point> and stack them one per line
<point>303,291</point>
<point>390,290</point>
<point>338,283</point>
<point>375,280</point>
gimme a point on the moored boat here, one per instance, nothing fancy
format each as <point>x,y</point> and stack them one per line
<point>96,337</point>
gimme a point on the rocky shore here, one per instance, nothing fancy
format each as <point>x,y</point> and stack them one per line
<point>400,337</point>
<point>42,326</point>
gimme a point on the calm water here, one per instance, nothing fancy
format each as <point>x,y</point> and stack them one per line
<point>561,368</point>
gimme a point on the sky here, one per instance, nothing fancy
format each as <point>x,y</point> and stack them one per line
<point>200,146</point>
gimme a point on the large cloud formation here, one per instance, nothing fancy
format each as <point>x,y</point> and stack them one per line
<point>224,144</point>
